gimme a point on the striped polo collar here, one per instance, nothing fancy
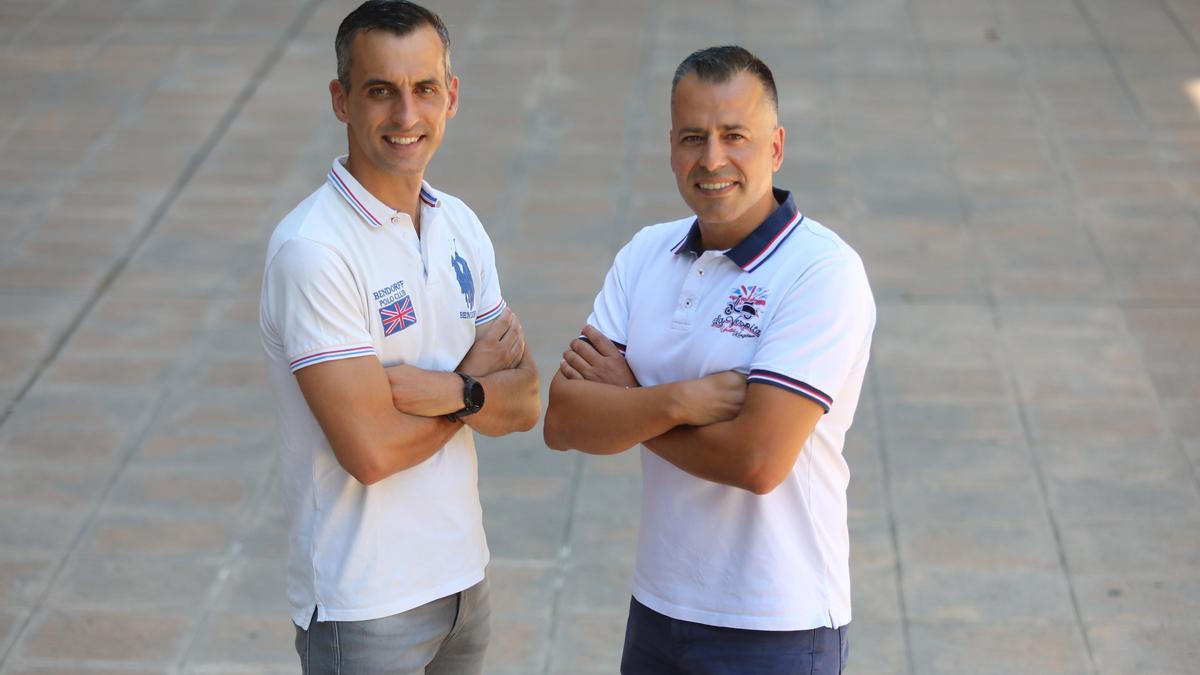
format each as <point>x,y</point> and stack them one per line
<point>373,211</point>
<point>760,244</point>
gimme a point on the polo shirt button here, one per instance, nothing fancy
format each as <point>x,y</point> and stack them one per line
<point>687,303</point>
<point>396,219</point>
<point>700,272</point>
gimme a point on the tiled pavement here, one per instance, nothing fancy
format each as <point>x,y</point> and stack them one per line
<point>1021,176</point>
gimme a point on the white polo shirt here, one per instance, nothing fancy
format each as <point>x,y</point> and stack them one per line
<point>791,307</point>
<point>347,276</point>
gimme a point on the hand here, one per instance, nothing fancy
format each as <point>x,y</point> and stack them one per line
<point>599,361</point>
<point>499,345</point>
<point>714,398</point>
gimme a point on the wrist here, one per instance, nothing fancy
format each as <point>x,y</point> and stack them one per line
<point>677,396</point>
<point>472,397</point>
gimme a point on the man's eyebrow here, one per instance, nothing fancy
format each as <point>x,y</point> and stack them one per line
<point>723,127</point>
<point>375,81</point>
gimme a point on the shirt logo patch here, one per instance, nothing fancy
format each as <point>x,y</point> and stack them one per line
<point>742,313</point>
<point>398,316</point>
<point>466,283</point>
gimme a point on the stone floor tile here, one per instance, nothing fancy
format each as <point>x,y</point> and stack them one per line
<point>100,582</point>
<point>11,620</point>
<point>932,461</point>
<point>519,644</point>
<point>588,641</point>
<point>23,578</point>
<point>1172,598</point>
<point>602,586</point>
<point>266,537</point>
<point>952,422</point>
<point>73,427</point>
<point>612,538</point>
<point>1134,421</point>
<point>955,647</point>
<point>1121,647</point>
<point>39,532</point>
<point>931,383</point>
<point>999,546</point>
<point>523,588</point>
<point>218,491</point>
<point>532,530</point>
<point>1136,463</point>
<point>1030,597</point>
<point>876,647</point>
<point>254,586</point>
<point>146,636</point>
<point>75,667</point>
<point>1005,500</point>
<point>231,641</point>
<point>1144,546</point>
<point>875,595</point>
<point>1122,498</point>
<point>50,485</point>
<point>114,534</point>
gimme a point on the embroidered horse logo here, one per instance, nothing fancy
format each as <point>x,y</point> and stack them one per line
<point>465,282</point>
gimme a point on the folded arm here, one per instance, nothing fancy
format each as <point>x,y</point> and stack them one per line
<point>499,360</point>
<point>583,410</point>
<point>750,443</point>
<point>351,399</point>
<point>755,450</point>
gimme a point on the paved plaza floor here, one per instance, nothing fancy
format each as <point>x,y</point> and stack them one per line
<point>1022,178</point>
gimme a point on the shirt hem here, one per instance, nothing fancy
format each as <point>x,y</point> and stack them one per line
<point>739,621</point>
<point>302,615</point>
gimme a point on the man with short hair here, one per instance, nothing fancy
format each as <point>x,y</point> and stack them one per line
<point>732,346</point>
<point>386,336</point>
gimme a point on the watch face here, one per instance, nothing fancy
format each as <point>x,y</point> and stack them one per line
<point>475,395</point>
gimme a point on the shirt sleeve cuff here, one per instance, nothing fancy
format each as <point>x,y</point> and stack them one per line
<point>793,385</point>
<point>331,355</point>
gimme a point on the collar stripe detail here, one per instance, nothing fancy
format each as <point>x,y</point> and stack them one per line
<point>484,317</point>
<point>774,244</point>
<point>428,198</point>
<point>342,188</point>
<point>620,347</point>
<point>791,384</point>
<point>331,355</point>
<point>679,247</point>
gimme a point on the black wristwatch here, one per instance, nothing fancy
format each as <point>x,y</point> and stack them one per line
<point>472,398</point>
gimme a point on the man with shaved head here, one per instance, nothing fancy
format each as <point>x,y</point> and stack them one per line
<point>731,345</point>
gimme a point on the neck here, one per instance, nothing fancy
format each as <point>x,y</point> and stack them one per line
<point>720,236</point>
<point>402,193</point>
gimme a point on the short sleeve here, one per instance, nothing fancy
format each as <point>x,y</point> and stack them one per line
<point>610,311</point>
<point>819,333</point>
<point>491,301</point>
<point>315,305</point>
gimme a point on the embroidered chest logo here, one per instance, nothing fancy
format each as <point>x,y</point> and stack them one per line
<point>742,313</point>
<point>466,283</point>
<point>396,310</point>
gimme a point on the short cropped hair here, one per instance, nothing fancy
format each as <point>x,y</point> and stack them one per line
<point>398,17</point>
<point>721,64</point>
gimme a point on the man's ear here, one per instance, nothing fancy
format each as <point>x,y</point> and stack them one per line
<point>337,98</point>
<point>777,148</point>
<point>452,91</point>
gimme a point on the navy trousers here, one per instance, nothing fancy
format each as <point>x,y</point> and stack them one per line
<point>659,645</point>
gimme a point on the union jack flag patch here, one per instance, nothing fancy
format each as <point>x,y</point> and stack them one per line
<point>398,316</point>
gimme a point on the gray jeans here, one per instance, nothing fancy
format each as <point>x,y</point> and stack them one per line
<point>444,637</point>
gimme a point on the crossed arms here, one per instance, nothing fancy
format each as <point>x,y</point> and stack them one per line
<point>714,427</point>
<point>380,421</point>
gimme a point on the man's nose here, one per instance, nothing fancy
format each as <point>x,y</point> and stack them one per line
<point>404,111</point>
<point>714,155</point>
